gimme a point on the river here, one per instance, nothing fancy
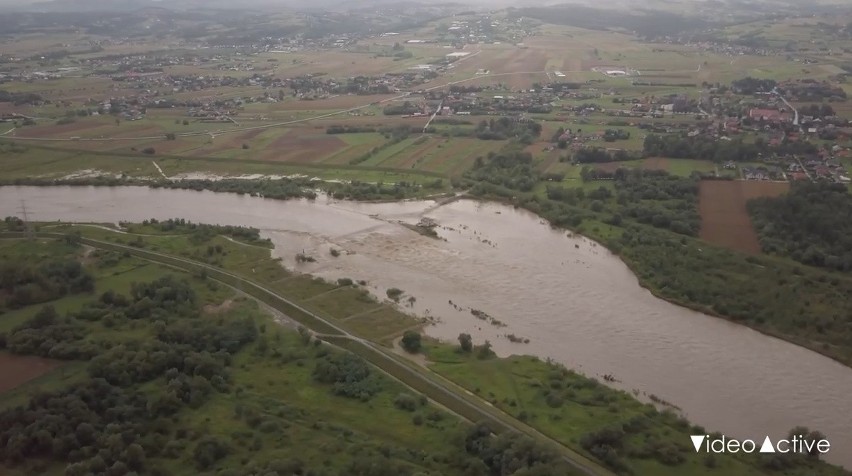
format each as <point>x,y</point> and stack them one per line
<point>576,302</point>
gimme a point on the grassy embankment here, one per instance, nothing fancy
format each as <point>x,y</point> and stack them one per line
<point>275,400</point>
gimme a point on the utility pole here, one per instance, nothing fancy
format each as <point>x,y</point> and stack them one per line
<point>28,231</point>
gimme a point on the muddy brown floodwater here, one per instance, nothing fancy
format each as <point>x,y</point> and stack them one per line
<point>576,302</point>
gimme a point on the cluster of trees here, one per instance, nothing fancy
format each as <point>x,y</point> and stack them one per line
<point>707,148</point>
<point>407,107</point>
<point>349,375</point>
<point>612,135</point>
<point>343,129</point>
<point>811,224</point>
<point>356,190</point>
<point>104,423</point>
<point>203,232</point>
<point>511,454</point>
<point>284,188</point>
<point>23,282</point>
<point>14,224</point>
<point>658,199</point>
<point>652,197</point>
<point>749,85</point>
<point>512,170</point>
<point>817,110</point>
<point>508,128</point>
<point>19,99</point>
<point>700,147</point>
<point>597,155</point>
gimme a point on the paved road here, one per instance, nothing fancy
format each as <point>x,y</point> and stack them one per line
<point>795,111</point>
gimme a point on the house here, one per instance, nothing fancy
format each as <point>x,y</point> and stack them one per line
<point>769,115</point>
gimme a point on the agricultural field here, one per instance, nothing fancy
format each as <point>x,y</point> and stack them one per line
<point>724,218</point>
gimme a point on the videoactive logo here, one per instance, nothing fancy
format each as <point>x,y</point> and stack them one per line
<point>795,444</point>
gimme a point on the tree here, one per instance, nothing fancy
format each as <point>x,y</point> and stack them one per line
<point>484,351</point>
<point>208,451</point>
<point>411,341</point>
<point>135,456</point>
<point>466,342</point>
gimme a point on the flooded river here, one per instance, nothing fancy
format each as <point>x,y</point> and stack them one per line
<point>575,301</point>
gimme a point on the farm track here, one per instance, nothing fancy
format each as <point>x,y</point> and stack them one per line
<point>439,389</point>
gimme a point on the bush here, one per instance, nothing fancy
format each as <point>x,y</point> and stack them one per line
<point>395,294</point>
<point>208,451</point>
<point>411,341</point>
<point>406,402</point>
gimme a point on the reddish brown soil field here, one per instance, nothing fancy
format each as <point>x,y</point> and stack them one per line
<point>655,163</point>
<point>299,147</point>
<point>15,370</point>
<point>608,166</point>
<point>724,219</point>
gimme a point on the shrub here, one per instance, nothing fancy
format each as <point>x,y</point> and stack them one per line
<point>411,341</point>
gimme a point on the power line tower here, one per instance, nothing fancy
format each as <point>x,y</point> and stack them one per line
<point>28,229</point>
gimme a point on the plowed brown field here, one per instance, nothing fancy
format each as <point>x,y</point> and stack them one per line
<point>724,219</point>
<point>18,369</point>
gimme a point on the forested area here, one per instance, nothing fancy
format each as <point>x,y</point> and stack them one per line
<point>811,224</point>
<point>104,424</point>
<point>651,197</point>
<point>659,199</point>
<point>508,128</point>
<point>507,170</point>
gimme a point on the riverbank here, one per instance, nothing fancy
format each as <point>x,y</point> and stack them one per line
<point>570,297</point>
<point>537,393</point>
<point>773,295</point>
<point>275,187</point>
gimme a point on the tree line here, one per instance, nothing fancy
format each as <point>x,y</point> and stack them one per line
<point>811,224</point>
